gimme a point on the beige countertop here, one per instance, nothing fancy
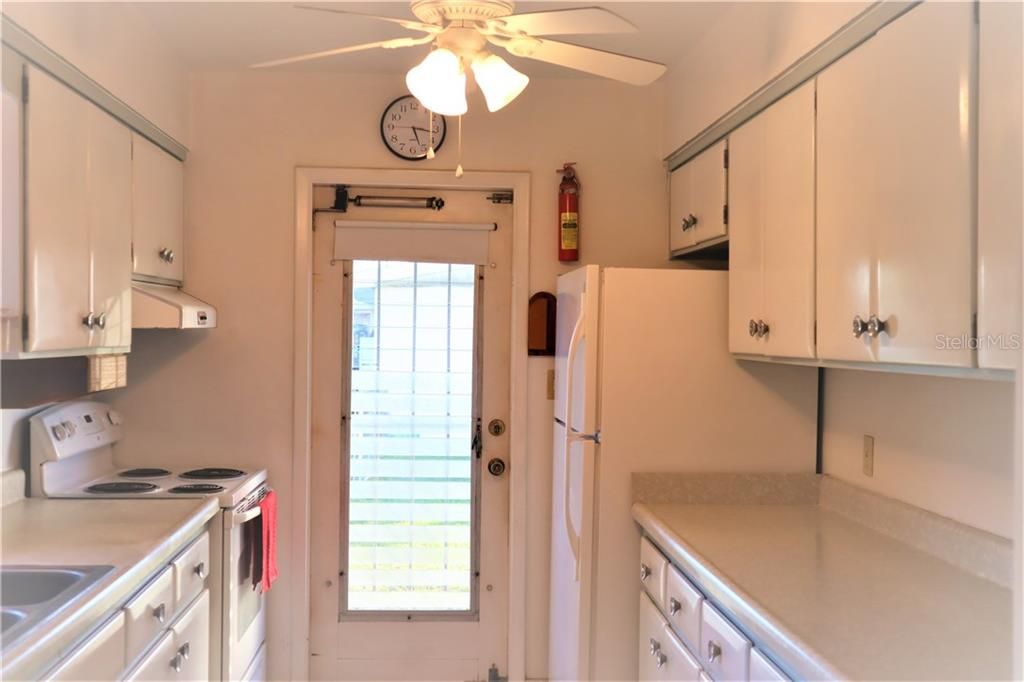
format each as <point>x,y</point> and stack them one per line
<point>136,537</point>
<point>833,599</point>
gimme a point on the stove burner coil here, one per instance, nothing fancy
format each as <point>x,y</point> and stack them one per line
<point>144,473</point>
<point>204,488</point>
<point>126,487</point>
<point>213,473</point>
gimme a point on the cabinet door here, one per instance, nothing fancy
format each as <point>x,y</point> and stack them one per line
<point>1000,177</point>
<point>787,210</point>
<point>680,235</point>
<point>158,664</point>
<point>157,211</point>
<point>707,190</point>
<point>109,212</point>
<point>192,640</point>
<point>895,217</point>
<point>101,657</point>
<point>652,638</point>
<point>57,296</point>
<point>746,247</point>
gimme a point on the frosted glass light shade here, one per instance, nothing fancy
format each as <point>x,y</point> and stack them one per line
<point>439,83</point>
<point>499,82</point>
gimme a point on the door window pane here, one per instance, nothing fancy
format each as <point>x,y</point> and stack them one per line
<point>411,481</point>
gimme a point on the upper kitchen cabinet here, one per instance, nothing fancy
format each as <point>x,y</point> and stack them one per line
<point>157,213</point>
<point>77,222</point>
<point>771,230</point>
<point>697,200</point>
<point>895,208</point>
<point>1000,178</point>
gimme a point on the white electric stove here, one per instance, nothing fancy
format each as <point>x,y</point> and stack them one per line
<point>74,453</point>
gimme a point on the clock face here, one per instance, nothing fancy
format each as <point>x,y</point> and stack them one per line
<point>408,131</point>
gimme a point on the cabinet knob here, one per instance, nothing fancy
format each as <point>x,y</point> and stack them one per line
<point>200,569</point>
<point>660,659</point>
<point>89,320</point>
<point>876,326</point>
<point>101,320</point>
<point>752,327</point>
<point>167,255</point>
<point>176,663</point>
<point>762,328</point>
<point>693,221</point>
<point>655,646</point>
<point>645,572</point>
<point>859,326</point>
<point>714,651</point>
<point>160,613</point>
<point>674,606</point>
<point>185,650</point>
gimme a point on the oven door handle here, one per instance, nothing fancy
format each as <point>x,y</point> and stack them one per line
<point>241,518</point>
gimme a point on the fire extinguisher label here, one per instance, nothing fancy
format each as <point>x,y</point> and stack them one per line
<point>570,232</point>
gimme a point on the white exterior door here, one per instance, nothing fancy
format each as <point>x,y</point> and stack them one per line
<point>896,135</point>
<point>157,212</point>
<point>410,368</point>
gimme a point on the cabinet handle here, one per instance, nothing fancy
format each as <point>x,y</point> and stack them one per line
<point>660,659</point>
<point>752,327</point>
<point>859,326</point>
<point>762,328</point>
<point>185,650</point>
<point>714,651</point>
<point>101,320</point>
<point>674,606</point>
<point>200,569</point>
<point>89,320</point>
<point>655,646</point>
<point>167,255</point>
<point>645,572</point>
<point>693,221</point>
<point>160,613</point>
<point>876,326</point>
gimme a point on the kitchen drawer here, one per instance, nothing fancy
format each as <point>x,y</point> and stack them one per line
<point>677,662</point>
<point>101,657</point>
<point>149,612</point>
<point>724,651</point>
<point>652,571</point>
<point>682,606</point>
<point>191,655</point>
<point>190,571</point>
<point>661,655</point>
<point>156,666</point>
<point>763,670</point>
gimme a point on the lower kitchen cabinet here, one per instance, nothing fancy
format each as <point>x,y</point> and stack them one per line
<point>158,664</point>
<point>100,657</point>
<point>191,660</point>
<point>662,656</point>
<point>895,198</point>
<point>771,230</point>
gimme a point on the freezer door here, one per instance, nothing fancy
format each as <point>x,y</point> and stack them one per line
<point>576,345</point>
<point>572,538</point>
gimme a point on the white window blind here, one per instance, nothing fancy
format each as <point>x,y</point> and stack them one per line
<point>423,241</point>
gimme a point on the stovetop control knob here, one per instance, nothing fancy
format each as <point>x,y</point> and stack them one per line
<point>59,432</point>
<point>69,427</point>
<point>114,417</point>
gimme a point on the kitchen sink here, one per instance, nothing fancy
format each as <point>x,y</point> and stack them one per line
<point>29,595</point>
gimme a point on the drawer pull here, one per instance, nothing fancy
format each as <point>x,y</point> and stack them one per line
<point>645,572</point>
<point>160,613</point>
<point>674,606</point>
<point>200,569</point>
<point>714,651</point>
<point>176,663</point>
<point>655,647</point>
<point>660,659</point>
<point>185,650</point>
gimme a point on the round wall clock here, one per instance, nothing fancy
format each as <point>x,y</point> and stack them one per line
<point>407,131</point>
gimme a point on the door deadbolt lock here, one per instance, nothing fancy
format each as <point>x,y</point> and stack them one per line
<point>496,467</point>
<point>496,427</point>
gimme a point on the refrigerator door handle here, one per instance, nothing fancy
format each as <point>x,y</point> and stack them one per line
<point>578,335</point>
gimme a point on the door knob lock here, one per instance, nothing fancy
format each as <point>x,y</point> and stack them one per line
<point>496,467</point>
<point>496,427</point>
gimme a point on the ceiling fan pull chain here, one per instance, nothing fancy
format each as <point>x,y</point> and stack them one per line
<point>458,168</point>
<point>430,147</point>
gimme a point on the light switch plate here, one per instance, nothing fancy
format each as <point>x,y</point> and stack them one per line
<point>868,459</point>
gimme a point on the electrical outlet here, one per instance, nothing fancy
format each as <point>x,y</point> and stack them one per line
<point>868,460</point>
<point>551,384</point>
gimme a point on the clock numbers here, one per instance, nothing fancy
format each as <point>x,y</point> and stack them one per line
<point>408,129</point>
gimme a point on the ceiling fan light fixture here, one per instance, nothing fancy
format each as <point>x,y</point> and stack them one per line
<point>439,83</point>
<point>499,82</point>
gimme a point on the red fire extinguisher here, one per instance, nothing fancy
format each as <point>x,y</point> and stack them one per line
<point>568,215</point>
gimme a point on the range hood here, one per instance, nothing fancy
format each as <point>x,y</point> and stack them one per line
<point>160,306</point>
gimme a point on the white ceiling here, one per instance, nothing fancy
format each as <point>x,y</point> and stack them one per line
<point>215,36</point>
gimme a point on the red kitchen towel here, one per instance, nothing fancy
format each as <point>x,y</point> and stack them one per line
<point>268,511</point>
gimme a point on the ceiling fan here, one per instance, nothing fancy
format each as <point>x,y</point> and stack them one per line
<point>460,31</point>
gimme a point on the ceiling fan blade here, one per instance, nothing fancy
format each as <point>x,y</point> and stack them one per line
<point>611,65</point>
<point>404,23</point>
<point>386,44</point>
<point>579,20</point>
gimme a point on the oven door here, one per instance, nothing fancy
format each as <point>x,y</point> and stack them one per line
<point>244,624</point>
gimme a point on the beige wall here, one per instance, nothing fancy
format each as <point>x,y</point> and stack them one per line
<point>226,394</point>
<point>942,444</point>
<point>116,46</point>
<point>748,46</point>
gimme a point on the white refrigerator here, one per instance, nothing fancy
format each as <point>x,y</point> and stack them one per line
<point>644,382</point>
